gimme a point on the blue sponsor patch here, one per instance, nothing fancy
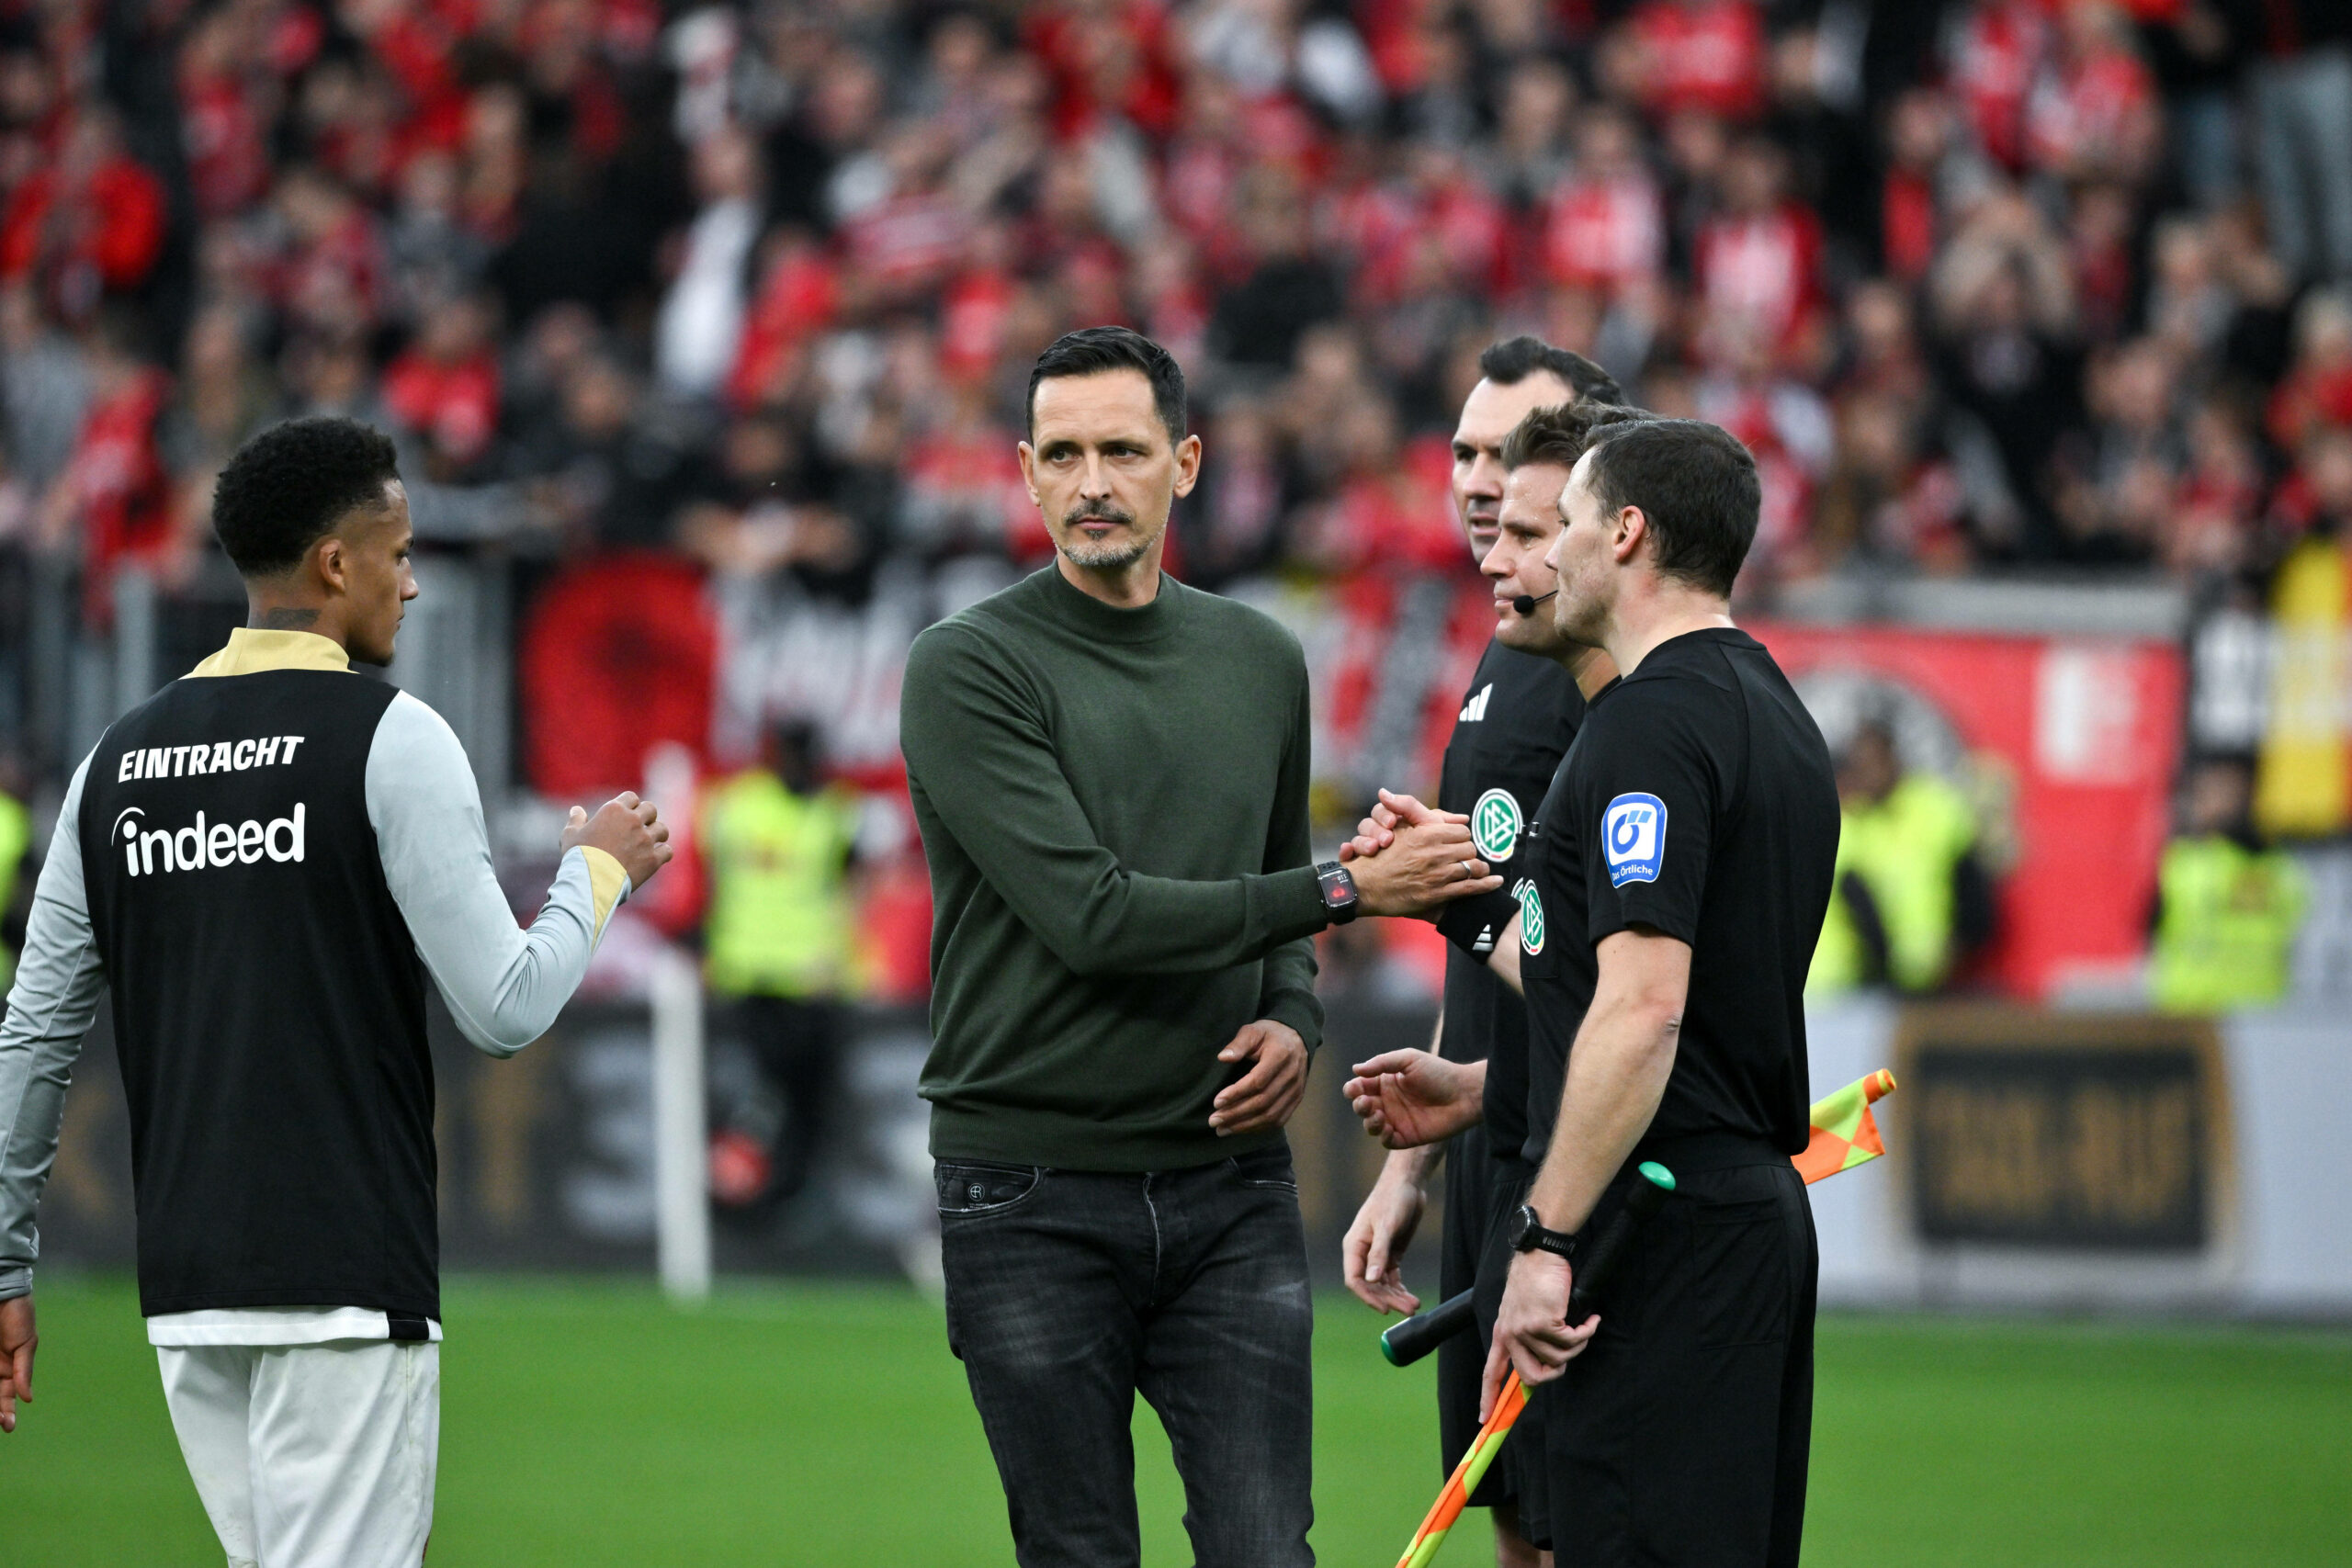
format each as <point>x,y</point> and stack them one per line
<point>1632,839</point>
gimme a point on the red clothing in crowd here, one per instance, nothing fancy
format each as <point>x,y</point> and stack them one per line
<point>2311,395</point>
<point>796,302</point>
<point>966,479</point>
<point>1605,233</point>
<point>121,488</point>
<point>454,406</point>
<point>228,150</point>
<point>1997,55</point>
<point>1701,54</point>
<point>1398,520</point>
<point>904,245</point>
<point>113,223</point>
<point>1099,58</point>
<point>1907,224</point>
<point>1762,267</point>
<point>2088,113</point>
<point>347,263</point>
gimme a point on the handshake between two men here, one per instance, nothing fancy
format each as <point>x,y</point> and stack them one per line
<point>1405,860</point>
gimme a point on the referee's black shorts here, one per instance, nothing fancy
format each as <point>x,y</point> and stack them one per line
<point>1471,1216</point>
<point>1682,1435</point>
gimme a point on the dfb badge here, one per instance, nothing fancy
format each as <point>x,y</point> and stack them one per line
<point>1531,916</point>
<point>1632,839</point>
<point>1495,823</point>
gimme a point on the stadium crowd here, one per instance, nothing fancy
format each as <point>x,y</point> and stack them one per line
<point>1988,286</point>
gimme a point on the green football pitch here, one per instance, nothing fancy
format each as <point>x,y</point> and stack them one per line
<point>587,1422</point>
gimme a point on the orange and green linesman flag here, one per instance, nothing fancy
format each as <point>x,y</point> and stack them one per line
<point>1467,1476</point>
<point>1845,1135</point>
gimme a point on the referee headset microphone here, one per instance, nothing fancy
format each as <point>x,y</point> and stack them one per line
<point>1525,604</point>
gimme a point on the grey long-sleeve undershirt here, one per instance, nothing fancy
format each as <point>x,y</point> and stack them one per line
<point>504,985</point>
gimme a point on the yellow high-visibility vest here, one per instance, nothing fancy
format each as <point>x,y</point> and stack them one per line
<point>780,923</point>
<point>1903,849</point>
<point>2303,785</point>
<point>2227,933</point>
<point>15,836</point>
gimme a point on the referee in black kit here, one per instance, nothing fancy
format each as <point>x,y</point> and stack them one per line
<point>1680,885</point>
<point>1518,715</point>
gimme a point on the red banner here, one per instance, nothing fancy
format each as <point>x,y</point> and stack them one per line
<point>2070,748</point>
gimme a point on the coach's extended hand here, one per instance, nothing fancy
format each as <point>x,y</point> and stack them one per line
<point>629,829</point>
<point>1427,861</point>
<point>1266,1095</point>
<point>16,1342</point>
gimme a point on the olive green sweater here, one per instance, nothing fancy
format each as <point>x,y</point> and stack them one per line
<point>1114,804</point>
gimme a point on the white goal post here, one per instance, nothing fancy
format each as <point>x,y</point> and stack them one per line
<point>681,1147</point>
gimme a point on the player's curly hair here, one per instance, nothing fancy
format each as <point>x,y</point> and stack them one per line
<point>288,486</point>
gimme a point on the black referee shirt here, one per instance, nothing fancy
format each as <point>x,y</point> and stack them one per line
<point>1517,720</point>
<point>1697,800</point>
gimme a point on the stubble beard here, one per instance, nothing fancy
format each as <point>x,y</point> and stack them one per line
<point>1577,619</point>
<point>1110,555</point>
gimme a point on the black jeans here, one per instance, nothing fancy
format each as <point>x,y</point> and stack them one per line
<point>1068,1291</point>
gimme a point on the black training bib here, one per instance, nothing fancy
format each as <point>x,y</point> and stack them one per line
<point>268,1001</point>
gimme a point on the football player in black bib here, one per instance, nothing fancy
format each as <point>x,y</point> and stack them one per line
<point>1678,889</point>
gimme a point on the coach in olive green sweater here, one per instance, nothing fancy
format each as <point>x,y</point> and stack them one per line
<point>1113,802</point>
<point>1110,771</point>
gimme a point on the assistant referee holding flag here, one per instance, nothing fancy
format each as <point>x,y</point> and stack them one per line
<point>1680,885</point>
<point>262,864</point>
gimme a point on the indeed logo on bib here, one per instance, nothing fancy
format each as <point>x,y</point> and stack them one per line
<point>1632,839</point>
<point>152,851</point>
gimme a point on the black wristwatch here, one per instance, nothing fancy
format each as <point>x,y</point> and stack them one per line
<point>1529,1236</point>
<point>1339,891</point>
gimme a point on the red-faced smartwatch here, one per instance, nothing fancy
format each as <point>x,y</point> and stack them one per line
<point>1339,891</point>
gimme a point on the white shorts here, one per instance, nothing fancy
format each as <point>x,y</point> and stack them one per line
<point>310,1456</point>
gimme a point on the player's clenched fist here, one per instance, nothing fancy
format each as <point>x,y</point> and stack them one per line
<point>629,829</point>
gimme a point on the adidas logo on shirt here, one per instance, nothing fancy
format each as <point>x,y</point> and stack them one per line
<point>1476,708</point>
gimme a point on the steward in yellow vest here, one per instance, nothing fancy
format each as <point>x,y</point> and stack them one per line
<point>779,939</point>
<point>1910,897</point>
<point>2227,905</point>
<point>16,838</point>
<point>780,922</point>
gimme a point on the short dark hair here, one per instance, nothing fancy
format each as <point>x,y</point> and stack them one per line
<point>1091,351</point>
<point>1559,433</point>
<point>1513,360</point>
<point>288,486</point>
<point>1694,482</point>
